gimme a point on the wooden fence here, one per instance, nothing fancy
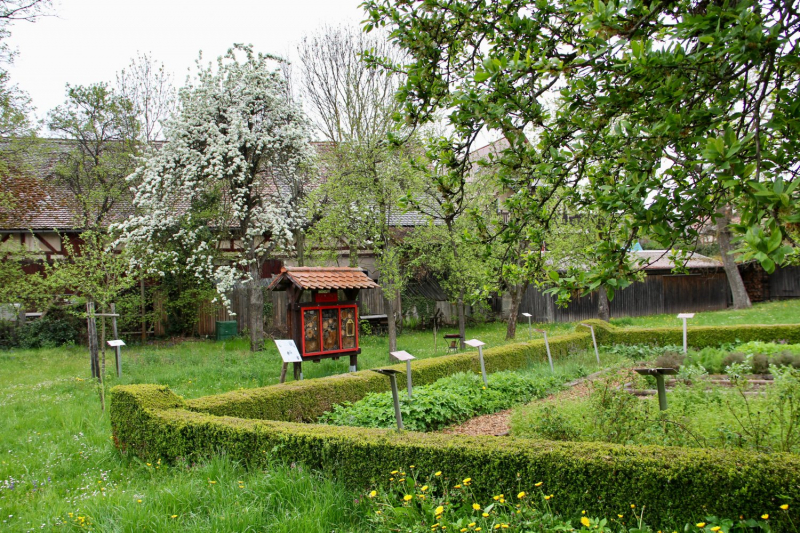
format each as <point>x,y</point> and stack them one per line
<point>784,283</point>
<point>656,295</point>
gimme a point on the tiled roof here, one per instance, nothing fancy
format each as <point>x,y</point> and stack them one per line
<point>322,278</point>
<point>660,260</point>
<point>32,199</point>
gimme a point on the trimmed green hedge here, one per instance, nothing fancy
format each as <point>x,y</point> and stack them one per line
<point>677,485</point>
<point>674,485</point>
<point>307,400</point>
<point>698,337</point>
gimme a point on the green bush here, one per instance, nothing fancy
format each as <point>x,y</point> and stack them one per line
<point>677,485</point>
<point>307,400</point>
<point>50,332</point>
<point>448,401</point>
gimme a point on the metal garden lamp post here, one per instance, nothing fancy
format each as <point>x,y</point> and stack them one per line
<point>407,357</point>
<point>475,343</point>
<point>547,345</point>
<point>684,316</point>
<point>393,381</point>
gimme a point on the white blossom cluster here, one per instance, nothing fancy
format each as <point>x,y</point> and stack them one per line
<point>208,185</point>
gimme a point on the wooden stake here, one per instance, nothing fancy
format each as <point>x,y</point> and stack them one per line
<point>118,358</point>
<point>91,328</point>
<point>283,372</point>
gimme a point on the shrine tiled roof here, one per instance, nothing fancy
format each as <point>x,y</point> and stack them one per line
<point>310,278</point>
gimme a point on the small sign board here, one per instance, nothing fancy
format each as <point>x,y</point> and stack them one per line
<point>475,343</point>
<point>540,330</point>
<point>527,315</point>
<point>402,356</point>
<point>115,343</point>
<point>686,315</point>
<point>288,350</point>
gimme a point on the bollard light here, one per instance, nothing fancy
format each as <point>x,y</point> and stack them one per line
<point>684,316</point>
<point>475,343</point>
<point>407,357</point>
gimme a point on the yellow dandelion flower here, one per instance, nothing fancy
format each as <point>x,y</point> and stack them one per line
<point>620,515</point>
<point>701,524</point>
<point>765,516</point>
<point>174,516</point>
<point>412,466</point>
<point>521,495</point>
<point>439,510</point>
<point>407,497</point>
<point>476,506</point>
<point>633,506</point>
<point>539,484</point>
<point>715,528</point>
<point>457,487</point>
<point>439,473</point>
<point>421,496</point>
<point>424,488</point>
<point>547,497</point>
<point>495,498</point>
<point>485,515</point>
<point>467,480</point>
<point>391,479</point>
<point>785,506</point>
<point>138,501</point>
<point>463,529</point>
<point>585,521</point>
<point>393,472</point>
<point>373,493</point>
<point>471,524</point>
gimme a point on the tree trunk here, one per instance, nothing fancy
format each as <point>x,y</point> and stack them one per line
<point>603,309</point>
<point>462,328</point>
<point>300,246</point>
<point>92,339</point>
<point>353,255</point>
<point>740,298</point>
<point>256,309</point>
<point>516,299</point>
<point>390,312</point>
<point>144,315</point>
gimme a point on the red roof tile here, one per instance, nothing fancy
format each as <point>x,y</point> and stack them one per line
<point>311,278</point>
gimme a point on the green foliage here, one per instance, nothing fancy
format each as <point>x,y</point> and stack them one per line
<point>307,400</point>
<point>617,115</point>
<point>49,332</point>
<point>680,484</point>
<point>447,401</point>
<point>415,503</point>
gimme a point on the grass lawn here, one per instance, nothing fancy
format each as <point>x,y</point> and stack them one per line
<point>59,470</point>
<point>780,312</point>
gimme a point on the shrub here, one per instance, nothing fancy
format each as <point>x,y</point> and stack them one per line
<point>49,332</point>
<point>733,358</point>
<point>679,485</point>
<point>670,359</point>
<point>448,401</point>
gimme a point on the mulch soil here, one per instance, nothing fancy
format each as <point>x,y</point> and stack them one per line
<point>499,424</point>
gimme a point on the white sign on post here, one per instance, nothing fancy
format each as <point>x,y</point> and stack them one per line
<point>288,350</point>
<point>117,342</point>
<point>407,357</point>
<point>475,343</point>
<point>530,332</point>
<point>684,316</point>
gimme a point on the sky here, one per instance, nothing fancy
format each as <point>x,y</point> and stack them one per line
<point>89,41</point>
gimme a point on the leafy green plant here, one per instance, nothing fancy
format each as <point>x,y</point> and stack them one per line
<point>447,401</point>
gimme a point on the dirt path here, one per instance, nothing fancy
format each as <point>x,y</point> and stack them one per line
<point>500,423</point>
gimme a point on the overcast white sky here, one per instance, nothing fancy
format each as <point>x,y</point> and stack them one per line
<point>89,41</point>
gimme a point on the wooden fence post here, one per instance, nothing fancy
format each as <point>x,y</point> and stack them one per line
<point>91,327</point>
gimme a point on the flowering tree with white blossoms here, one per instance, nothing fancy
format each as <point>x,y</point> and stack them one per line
<point>204,201</point>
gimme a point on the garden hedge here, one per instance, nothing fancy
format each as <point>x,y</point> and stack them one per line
<point>305,401</point>
<point>676,484</point>
<point>698,336</point>
<point>672,485</point>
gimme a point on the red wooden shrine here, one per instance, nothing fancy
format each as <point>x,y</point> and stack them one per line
<point>322,313</point>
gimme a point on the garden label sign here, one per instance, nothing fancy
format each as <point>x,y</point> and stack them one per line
<point>475,343</point>
<point>289,354</point>
<point>684,316</point>
<point>407,357</point>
